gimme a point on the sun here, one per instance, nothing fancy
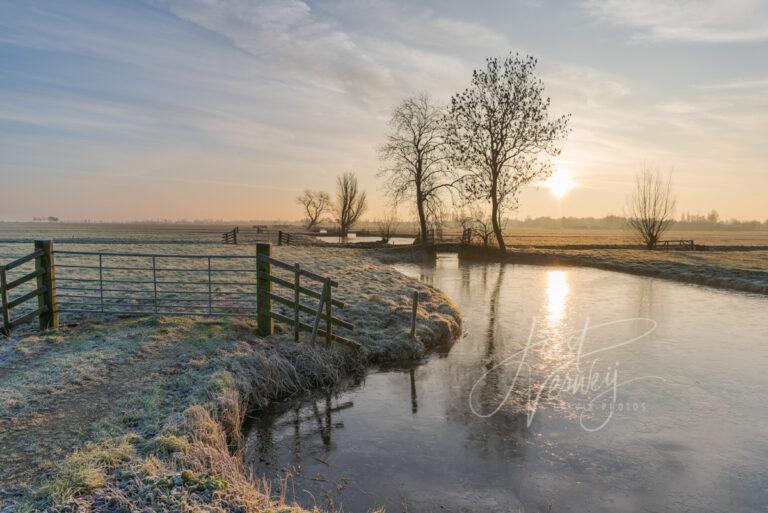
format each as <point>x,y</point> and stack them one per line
<point>560,183</point>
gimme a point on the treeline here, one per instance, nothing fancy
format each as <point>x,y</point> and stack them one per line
<point>618,222</point>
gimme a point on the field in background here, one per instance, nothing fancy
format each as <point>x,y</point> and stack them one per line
<point>589,236</point>
<point>211,234</point>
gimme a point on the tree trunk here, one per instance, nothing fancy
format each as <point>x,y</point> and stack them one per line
<point>422,215</point>
<point>495,219</point>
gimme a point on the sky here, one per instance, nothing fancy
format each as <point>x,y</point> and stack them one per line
<point>227,109</point>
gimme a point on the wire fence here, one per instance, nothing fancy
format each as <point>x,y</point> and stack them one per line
<point>148,284</point>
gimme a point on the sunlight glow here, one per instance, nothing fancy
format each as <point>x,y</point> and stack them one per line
<point>557,295</point>
<point>560,183</point>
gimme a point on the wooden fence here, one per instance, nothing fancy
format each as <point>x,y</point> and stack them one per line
<point>293,239</point>
<point>677,244</point>
<point>44,291</point>
<point>323,312</point>
<point>230,237</point>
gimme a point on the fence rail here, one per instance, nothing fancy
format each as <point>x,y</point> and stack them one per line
<point>294,239</point>
<point>680,244</point>
<point>42,290</point>
<point>322,312</point>
<point>230,237</point>
<point>115,283</point>
<point>156,284</point>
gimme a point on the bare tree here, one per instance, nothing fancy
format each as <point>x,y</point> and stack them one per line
<point>386,224</point>
<point>477,219</point>
<point>501,134</point>
<point>416,162</point>
<point>350,202</point>
<point>482,225</point>
<point>315,204</point>
<point>651,206</point>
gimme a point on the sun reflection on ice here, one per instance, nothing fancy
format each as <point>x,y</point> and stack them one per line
<point>557,296</point>
<point>555,349</point>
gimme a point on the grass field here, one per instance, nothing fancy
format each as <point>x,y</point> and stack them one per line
<point>585,236</point>
<point>211,234</point>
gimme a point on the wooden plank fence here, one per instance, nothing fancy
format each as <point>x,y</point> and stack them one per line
<point>44,291</point>
<point>666,245</point>
<point>322,313</point>
<point>230,237</point>
<point>293,239</point>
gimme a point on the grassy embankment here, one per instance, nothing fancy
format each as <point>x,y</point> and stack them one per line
<point>735,270</point>
<point>129,414</point>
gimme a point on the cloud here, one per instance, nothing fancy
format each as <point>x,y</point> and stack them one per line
<point>738,85</point>
<point>370,51</point>
<point>693,20</point>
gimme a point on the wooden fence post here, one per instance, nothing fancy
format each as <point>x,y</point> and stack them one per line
<point>319,312</point>
<point>413,312</point>
<point>296,299</point>
<point>6,329</point>
<point>49,318</point>
<point>279,237</point>
<point>328,323</point>
<point>263,290</point>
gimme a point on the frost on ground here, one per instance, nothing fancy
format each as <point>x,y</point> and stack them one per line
<point>144,413</point>
<point>379,301</point>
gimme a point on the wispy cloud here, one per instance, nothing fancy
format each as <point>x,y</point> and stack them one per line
<point>738,85</point>
<point>692,20</point>
<point>382,48</point>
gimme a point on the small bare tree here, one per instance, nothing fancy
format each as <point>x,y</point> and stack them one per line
<point>350,202</point>
<point>482,225</point>
<point>386,224</point>
<point>651,206</point>
<point>416,164</point>
<point>315,204</point>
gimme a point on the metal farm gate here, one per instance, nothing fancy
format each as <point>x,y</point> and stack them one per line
<point>50,282</point>
<point>148,284</point>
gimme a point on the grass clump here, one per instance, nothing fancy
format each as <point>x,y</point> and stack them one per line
<point>167,445</point>
<point>85,470</point>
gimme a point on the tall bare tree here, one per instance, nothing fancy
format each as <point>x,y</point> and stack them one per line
<point>651,206</point>
<point>350,202</point>
<point>315,204</point>
<point>416,163</point>
<point>501,134</point>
